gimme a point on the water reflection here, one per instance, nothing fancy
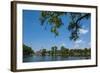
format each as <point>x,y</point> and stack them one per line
<point>51,58</point>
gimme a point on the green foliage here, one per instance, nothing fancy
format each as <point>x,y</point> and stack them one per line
<point>27,50</point>
<point>54,50</point>
<point>66,52</point>
<point>54,30</point>
<point>43,53</point>
<point>73,27</point>
<point>54,19</point>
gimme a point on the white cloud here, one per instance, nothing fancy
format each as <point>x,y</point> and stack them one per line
<point>83,31</point>
<point>78,41</point>
<point>76,45</point>
<point>62,44</point>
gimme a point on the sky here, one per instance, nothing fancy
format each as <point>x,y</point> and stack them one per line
<point>37,37</point>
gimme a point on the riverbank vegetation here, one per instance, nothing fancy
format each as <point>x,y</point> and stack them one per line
<point>54,51</point>
<point>27,51</point>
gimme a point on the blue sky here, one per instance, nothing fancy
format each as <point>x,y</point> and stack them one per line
<point>35,35</point>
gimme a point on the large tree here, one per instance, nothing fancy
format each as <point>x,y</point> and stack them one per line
<point>54,19</point>
<point>27,51</point>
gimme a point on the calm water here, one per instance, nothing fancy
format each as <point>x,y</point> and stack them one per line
<point>51,58</point>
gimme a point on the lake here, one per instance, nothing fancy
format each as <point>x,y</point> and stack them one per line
<point>51,58</point>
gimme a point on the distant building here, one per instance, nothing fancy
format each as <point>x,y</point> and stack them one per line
<point>38,53</point>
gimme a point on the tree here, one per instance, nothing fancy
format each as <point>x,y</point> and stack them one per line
<point>71,52</point>
<point>54,19</point>
<point>87,52</point>
<point>67,52</point>
<point>53,50</point>
<point>63,51</point>
<point>27,51</point>
<point>49,52</point>
<point>43,53</point>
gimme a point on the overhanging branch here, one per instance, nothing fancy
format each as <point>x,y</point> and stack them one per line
<point>82,17</point>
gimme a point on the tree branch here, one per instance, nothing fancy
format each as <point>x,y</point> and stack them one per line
<point>82,17</point>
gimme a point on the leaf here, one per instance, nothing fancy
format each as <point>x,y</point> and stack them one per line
<point>55,21</point>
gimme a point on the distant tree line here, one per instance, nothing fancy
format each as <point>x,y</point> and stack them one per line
<point>66,52</point>
<point>54,51</point>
